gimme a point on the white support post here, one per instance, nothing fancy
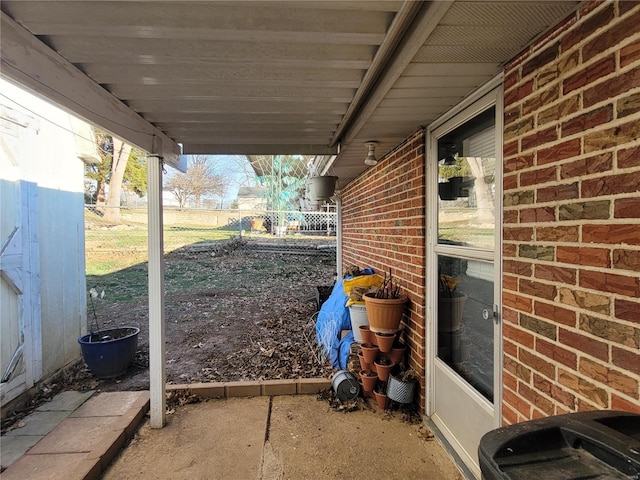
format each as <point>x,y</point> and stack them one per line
<point>156,293</point>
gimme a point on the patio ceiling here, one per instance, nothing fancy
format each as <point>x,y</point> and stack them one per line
<point>282,77</point>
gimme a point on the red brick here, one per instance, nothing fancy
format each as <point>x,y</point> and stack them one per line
<point>558,234</point>
<point>609,282</point>
<point>518,234</point>
<point>518,163</point>
<point>539,138</point>
<point>627,208</point>
<point>613,36</point>
<point>587,28</point>
<point>590,74</point>
<point>518,93</point>
<point>595,257</point>
<point>586,166</point>
<point>608,376</point>
<point>537,289</point>
<point>510,148</point>
<point>510,182</point>
<point>557,192</point>
<point>517,302</point>
<point>542,58</point>
<point>516,368</point>
<point>538,176</point>
<point>611,88</point>
<point>557,353</point>
<point>521,405</point>
<point>553,312</point>
<point>517,335</point>
<point>511,79</point>
<point>629,157</point>
<point>630,53</point>
<point>626,359</point>
<point>517,268</point>
<point>509,348</point>
<point>628,234</point>
<point>586,121</point>
<point>509,381</point>
<point>626,260</point>
<point>509,282</point>
<point>598,140</point>
<point>566,108</point>
<point>556,274</point>
<point>561,151</point>
<point>620,403</point>
<point>536,398</point>
<point>540,99</point>
<point>536,215</point>
<point>583,343</point>
<point>610,185</point>
<point>538,364</point>
<point>627,310</point>
<point>509,415</point>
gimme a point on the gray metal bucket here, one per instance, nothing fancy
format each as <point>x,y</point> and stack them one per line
<point>346,386</point>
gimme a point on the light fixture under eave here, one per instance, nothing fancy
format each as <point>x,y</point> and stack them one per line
<point>371,154</point>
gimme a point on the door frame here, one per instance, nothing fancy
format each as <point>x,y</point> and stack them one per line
<point>490,94</point>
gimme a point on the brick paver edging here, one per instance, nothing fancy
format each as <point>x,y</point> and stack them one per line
<point>253,388</point>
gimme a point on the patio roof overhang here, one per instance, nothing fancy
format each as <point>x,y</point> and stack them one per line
<point>259,78</point>
<point>262,77</point>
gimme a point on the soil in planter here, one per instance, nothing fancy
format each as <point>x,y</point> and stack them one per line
<point>114,334</point>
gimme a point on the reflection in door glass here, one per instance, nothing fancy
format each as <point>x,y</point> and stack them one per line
<point>466,183</point>
<point>465,320</point>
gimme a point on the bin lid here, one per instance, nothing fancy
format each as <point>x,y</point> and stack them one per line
<point>598,445</point>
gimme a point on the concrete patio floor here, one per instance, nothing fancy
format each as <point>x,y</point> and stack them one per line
<point>261,437</point>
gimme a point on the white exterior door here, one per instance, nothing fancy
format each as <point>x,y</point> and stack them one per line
<point>20,352</point>
<point>463,280</point>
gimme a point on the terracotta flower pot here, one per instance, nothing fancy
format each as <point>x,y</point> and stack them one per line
<point>369,380</point>
<point>364,365</point>
<point>365,333</point>
<point>369,352</point>
<point>384,314</point>
<point>397,352</point>
<point>385,341</point>
<point>383,370</point>
<point>381,400</point>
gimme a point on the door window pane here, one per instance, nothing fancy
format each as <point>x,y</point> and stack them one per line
<point>466,183</point>
<point>465,320</point>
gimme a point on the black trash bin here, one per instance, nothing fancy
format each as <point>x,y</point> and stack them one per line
<point>586,445</point>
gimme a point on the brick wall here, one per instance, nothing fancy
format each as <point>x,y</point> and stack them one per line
<point>571,251</point>
<point>383,227</point>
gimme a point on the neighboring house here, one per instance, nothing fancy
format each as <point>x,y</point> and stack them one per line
<point>558,259</point>
<point>42,268</point>
<point>252,198</point>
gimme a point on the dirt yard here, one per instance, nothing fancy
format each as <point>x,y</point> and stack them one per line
<point>232,313</point>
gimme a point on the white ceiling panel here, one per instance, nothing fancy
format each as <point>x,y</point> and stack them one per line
<point>266,77</point>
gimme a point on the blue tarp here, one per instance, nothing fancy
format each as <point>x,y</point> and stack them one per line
<point>332,319</point>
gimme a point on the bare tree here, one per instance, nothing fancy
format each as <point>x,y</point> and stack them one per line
<point>201,179</point>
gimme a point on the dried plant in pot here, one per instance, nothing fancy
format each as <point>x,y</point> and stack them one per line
<point>385,306</point>
<point>384,365</point>
<point>369,380</point>
<point>401,387</point>
<point>380,395</point>
<point>108,352</point>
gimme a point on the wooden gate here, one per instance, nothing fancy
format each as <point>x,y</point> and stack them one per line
<point>20,337</point>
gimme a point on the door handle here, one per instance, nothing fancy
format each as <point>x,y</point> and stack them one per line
<point>492,313</point>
